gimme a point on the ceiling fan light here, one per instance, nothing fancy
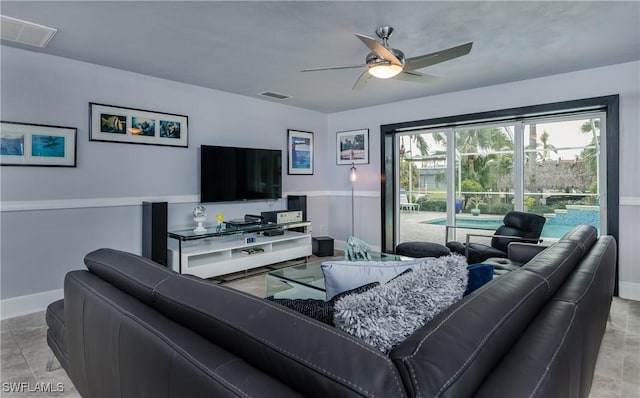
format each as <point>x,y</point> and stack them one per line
<point>385,71</point>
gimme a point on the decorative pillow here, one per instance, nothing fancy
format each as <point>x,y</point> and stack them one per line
<point>385,315</point>
<point>319,309</point>
<point>356,249</point>
<point>340,276</point>
<point>479,274</point>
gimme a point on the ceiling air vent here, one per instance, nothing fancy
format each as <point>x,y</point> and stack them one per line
<point>25,32</point>
<point>279,96</point>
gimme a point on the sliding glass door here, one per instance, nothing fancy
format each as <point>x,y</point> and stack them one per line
<point>470,176</point>
<point>562,172</point>
<point>422,185</point>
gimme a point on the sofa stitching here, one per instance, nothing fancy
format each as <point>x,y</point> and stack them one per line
<point>465,303</point>
<point>57,318</point>
<point>267,343</point>
<point>300,359</point>
<point>279,308</point>
<point>545,280</point>
<point>122,273</point>
<point>371,350</point>
<point>165,338</point>
<point>598,256</point>
<point>153,290</point>
<point>565,259</point>
<point>482,343</point>
<point>555,354</point>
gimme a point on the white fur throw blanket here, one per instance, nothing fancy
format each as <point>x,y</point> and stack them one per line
<point>387,314</point>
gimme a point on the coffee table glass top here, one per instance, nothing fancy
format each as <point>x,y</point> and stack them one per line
<point>306,280</point>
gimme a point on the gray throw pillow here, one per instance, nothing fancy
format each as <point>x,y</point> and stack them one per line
<point>340,276</point>
<point>387,314</point>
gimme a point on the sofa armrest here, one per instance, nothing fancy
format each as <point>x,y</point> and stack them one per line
<point>523,252</point>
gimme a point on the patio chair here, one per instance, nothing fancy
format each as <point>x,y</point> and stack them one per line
<point>517,227</point>
<point>405,204</point>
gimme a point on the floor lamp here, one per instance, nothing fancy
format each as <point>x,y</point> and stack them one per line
<point>352,177</point>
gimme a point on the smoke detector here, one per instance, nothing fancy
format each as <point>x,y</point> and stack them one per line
<point>25,32</point>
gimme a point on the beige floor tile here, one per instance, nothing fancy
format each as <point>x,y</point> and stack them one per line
<point>605,387</point>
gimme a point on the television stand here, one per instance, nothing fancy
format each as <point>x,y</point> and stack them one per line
<point>214,253</point>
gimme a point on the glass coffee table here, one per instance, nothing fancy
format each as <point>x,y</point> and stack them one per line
<point>306,281</point>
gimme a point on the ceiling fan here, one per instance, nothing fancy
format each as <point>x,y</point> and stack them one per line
<point>385,62</point>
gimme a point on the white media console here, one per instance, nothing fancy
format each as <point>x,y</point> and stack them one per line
<point>239,249</point>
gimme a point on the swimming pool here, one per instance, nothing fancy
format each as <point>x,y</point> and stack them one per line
<point>549,230</point>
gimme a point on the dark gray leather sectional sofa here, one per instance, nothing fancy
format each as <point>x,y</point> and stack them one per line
<point>132,328</point>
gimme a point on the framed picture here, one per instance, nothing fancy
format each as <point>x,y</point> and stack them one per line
<point>352,147</point>
<point>300,152</point>
<point>137,126</point>
<point>25,144</point>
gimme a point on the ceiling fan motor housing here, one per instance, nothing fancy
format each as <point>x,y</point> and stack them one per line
<point>374,59</point>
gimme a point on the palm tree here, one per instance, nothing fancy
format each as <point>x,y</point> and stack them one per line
<point>590,155</point>
<point>546,147</point>
<point>473,141</point>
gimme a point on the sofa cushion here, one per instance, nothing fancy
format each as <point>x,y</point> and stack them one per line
<point>295,349</point>
<point>584,235</point>
<point>134,274</point>
<point>57,333</point>
<point>387,314</point>
<point>340,276</point>
<point>276,340</point>
<point>451,355</point>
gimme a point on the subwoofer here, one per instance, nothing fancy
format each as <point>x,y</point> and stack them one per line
<point>154,231</point>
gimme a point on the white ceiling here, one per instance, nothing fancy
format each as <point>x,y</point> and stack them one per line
<point>251,47</point>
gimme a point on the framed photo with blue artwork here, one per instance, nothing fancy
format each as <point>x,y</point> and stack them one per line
<point>300,152</point>
<point>26,144</point>
<point>137,126</point>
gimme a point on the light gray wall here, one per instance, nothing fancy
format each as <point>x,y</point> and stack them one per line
<point>100,199</point>
<point>623,79</point>
<point>63,213</point>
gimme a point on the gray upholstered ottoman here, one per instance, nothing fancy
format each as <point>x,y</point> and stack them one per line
<point>422,249</point>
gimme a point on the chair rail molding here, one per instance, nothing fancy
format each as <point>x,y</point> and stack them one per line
<point>79,203</point>
<point>57,204</point>
<point>630,201</point>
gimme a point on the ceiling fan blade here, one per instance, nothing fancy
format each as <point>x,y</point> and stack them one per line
<point>333,68</point>
<point>416,77</point>
<point>362,80</point>
<point>437,57</point>
<point>375,46</point>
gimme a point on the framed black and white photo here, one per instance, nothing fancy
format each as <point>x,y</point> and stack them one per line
<point>137,126</point>
<point>26,144</point>
<point>352,147</point>
<point>300,152</point>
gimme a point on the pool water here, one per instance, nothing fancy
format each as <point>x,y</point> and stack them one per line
<point>549,230</point>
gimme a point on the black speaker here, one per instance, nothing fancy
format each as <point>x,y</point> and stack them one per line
<point>154,231</point>
<point>298,203</point>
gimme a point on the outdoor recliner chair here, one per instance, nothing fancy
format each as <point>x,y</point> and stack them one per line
<point>517,227</point>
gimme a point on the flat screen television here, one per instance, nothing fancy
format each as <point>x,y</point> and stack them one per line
<point>235,174</point>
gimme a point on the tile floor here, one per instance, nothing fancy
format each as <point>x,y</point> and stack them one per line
<point>25,352</point>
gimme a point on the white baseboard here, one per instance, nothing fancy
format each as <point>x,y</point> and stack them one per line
<point>629,290</point>
<point>23,305</point>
